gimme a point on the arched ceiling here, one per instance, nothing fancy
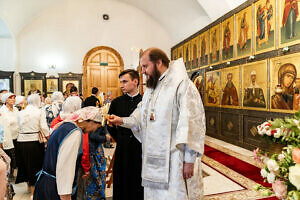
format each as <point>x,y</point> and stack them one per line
<point>181,18</point>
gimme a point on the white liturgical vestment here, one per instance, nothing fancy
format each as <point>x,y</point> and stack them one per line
<point>170,118</point>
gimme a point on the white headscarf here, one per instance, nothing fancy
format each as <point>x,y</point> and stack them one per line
<point>71,104</point>
<point>5,96</point>
<point>57,97</point>
<point>34,100</point>
<point>19,99</point>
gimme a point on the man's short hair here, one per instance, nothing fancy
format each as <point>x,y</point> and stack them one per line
<point>94,90</point>
<point>73,89</point>
<point>132,73</point>
<point>156,54</point>
<point>4,90</point>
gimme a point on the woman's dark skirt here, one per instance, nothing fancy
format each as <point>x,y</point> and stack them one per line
<point>30,160</point>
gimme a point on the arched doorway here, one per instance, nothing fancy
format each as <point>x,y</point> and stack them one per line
<point>101,68</point>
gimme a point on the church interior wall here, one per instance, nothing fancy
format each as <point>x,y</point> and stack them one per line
<point>7,54</point>
<point>62,34</point>
<point>234,75</point>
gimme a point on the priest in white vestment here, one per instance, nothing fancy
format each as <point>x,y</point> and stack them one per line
<point>170,124</point>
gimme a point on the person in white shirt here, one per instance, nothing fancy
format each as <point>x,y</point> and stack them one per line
<point>9,121</point>
<point>32,122</point>
<point>56,181</point>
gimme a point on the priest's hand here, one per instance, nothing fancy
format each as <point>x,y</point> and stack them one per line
<point>188,170</point>
<point>115,120</point>
<point>108,137</point>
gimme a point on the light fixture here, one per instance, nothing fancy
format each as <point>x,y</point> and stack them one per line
<point>52,67</point>
<point>285,49</point>
<point>251,57</point>
<point>228,63</point>
<point>52,71</point>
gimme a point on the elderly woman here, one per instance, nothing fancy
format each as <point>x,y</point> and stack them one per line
<point>57,178</point>
<point>70,105</point>
<point>9,122</point>
<point>32,122</point>
<point>53,110</point>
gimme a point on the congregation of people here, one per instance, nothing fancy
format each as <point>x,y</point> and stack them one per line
<point>55,144</point>
<point>26,124</point>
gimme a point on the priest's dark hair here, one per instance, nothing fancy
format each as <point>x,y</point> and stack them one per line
<point>156,54</point>
<point>94,90</point>
<point>132,73</point>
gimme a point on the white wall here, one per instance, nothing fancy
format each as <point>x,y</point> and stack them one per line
<point>64,33</point>
<point>7,54</point>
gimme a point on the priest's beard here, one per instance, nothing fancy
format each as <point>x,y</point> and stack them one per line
<point>153,78</point>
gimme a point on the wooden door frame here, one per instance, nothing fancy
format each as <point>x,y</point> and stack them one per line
<point>86,58</point>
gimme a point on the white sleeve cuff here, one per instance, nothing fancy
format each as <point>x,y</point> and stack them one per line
<point>189,155</point>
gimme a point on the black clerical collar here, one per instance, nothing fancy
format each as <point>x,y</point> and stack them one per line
<point>133,95</point>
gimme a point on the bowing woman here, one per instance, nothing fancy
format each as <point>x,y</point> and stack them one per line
<point>56,180</point>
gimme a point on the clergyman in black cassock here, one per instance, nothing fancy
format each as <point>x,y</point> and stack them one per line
<point>128,155</point>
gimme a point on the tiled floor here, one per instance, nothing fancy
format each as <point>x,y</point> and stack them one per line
<point>214,182</point>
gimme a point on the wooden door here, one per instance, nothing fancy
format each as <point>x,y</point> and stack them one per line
<point>102,66</point>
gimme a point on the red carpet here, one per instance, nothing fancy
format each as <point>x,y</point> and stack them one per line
<point>250,171</point>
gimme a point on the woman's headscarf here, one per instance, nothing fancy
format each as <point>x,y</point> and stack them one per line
<point>34,100</point>
<point>19,99</point>
<point>57,97</point>
<point>70,105</point>
<point>87,113</point>
<point>5,96</point>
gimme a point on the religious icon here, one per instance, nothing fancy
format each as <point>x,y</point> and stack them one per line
<point>215,44</point>
<point>227,38</point>
<point>254,86</point>
<point>52,84</point>
<point>204,48</point>
<point>244,32</point>
<point>187,54</point>
<point>180,52</point>
<point>212,88</point>
<point>4,84</point>
<point>194,52</point>
<point>264,25</point>
<point>198,80</point>
<point>174,54</point>
<point>285,84</point>
<point>67,84</point>
<point>230,84</point>
<point>33,86</point>
<point>289,22</point>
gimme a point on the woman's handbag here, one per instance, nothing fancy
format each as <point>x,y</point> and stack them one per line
<point>42,137</point>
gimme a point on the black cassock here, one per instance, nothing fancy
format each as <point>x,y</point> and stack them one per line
<point>128,155</point>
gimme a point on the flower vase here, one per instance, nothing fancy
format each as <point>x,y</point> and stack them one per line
<point>276,148</point>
